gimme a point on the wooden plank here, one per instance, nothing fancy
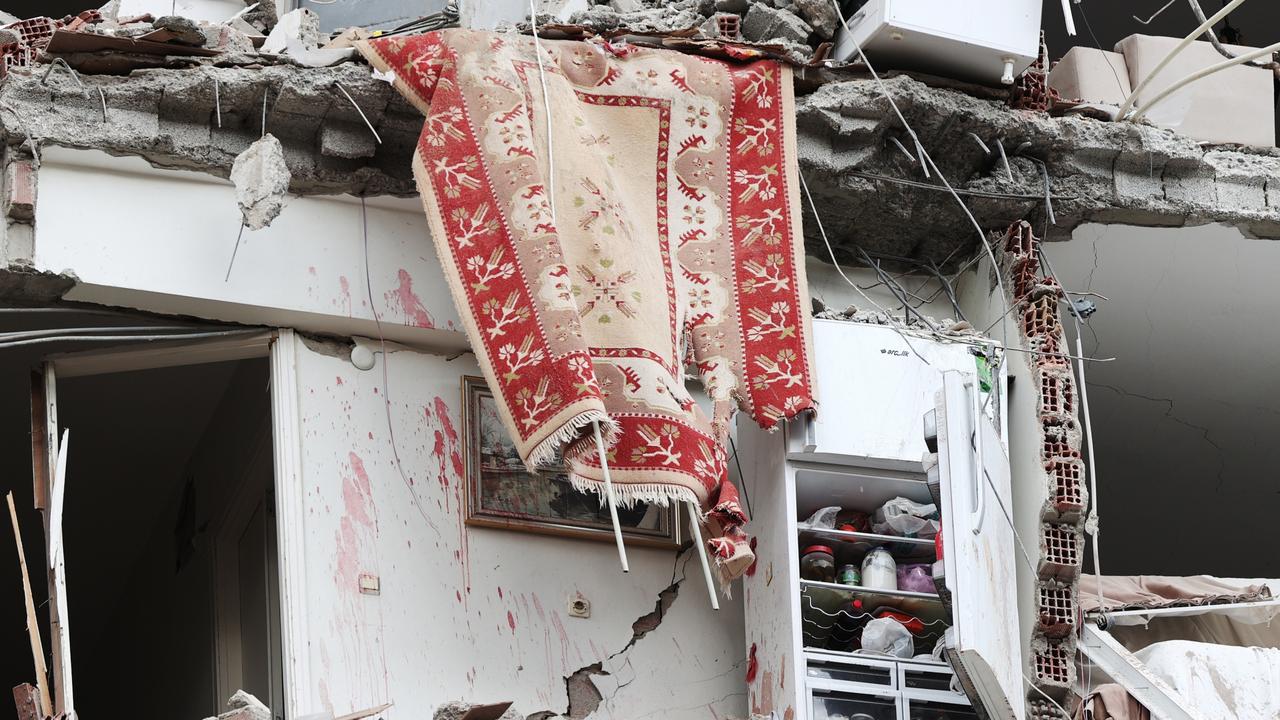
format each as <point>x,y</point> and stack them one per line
<point>33,625</point>
<point>27,699</point>
<point>39,442</point>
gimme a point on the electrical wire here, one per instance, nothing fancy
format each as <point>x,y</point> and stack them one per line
<point>23,334</point>
<point>1213,37</point>
<point>1226,10</point>
<point>830,251</point>
<point>927,159</point>
<point>1201,74</point>
<point>128,338</point>
<point>386,378</point>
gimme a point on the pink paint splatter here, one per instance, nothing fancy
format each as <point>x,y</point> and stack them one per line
<point>511,621</point>
<point>415,312</point>
<point>753,665</point>
<point>346,292</point>
<point>311,270</point>
<point>339,379</point>
<point>357,493</point>
<point>499,593</point>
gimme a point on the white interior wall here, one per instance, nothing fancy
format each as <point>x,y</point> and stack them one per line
<point>1185,417</point>
<point>161,240</point>
<point>472,613</point>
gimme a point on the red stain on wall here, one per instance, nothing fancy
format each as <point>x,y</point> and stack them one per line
<point>753,665</point>
<point>415,312</point>
<point>511,621</point>
<point>345,290</point>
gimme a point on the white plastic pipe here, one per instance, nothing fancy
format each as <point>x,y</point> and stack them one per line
<point>1203,73</point>
<point>695,525</point>
<point>1226,10</point>
<point>1066,15</point>
<point>613,502</point>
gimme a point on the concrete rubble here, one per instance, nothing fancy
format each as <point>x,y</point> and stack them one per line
<point>458,710</point>
<point>261,177</point>
<point>244,706</point>
<point>797,26</point>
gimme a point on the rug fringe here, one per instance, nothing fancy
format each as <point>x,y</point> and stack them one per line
<point>544,453</point>
<point>628,494</point>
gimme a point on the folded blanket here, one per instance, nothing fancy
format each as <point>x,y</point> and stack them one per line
<point>606,216</point>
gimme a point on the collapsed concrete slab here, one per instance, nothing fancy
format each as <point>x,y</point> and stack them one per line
<point>201,118</point>
<point>873,194</point>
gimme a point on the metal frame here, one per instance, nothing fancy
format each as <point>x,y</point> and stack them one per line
<point>1148,689</point>
<point>1141,616</point>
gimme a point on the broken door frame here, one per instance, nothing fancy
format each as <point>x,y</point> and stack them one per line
<point>281,347</point>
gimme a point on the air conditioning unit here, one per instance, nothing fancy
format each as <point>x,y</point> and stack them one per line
<point>985,41</point>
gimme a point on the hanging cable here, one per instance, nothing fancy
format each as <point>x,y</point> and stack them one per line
<point>1201,74</point>
<point>1182,44</point>
<point>1213,37</point>
<point>128,338</point>
<point>830,251</point>
<point>386,377</point>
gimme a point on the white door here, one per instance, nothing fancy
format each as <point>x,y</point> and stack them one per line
<point>978,549</point>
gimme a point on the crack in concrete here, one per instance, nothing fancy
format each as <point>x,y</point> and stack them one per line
<point>1169,413</point>
<point>584,697</point>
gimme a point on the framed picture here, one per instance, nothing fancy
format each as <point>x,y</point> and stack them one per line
<point>502,493</point>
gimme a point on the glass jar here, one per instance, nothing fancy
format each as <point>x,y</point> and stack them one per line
<point>879,570</point>
<point>818,563</point>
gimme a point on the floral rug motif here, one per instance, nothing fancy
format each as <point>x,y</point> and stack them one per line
<point>608,216</point>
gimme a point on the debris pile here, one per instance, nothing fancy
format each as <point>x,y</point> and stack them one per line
<point>798,29</point>
<point>106,42</point>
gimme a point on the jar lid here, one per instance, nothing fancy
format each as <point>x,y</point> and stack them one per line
<point>817,548</point>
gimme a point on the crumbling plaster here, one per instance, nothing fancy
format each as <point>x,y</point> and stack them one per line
<point>1098,171</point>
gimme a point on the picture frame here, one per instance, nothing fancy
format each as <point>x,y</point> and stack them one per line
<point>501,492</point>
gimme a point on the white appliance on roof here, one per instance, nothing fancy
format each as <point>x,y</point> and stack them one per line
<point>986,41</point>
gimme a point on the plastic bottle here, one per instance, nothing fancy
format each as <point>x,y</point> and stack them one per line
<point>818,563</point>
<point>879,570</point>
<point>849,574</point>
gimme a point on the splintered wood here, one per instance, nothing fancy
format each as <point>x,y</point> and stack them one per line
<point>33,627</point>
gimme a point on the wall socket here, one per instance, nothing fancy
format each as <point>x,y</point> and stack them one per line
<point>579,606</point>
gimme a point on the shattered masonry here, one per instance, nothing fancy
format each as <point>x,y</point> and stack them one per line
<point>1061,542</point>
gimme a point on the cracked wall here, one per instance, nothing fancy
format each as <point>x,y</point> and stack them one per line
<point>1184,415</point>
<point>471,613</point>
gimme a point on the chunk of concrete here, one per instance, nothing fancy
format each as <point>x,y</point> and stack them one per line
<point>764,24</point>
<point>262,180</point>
<point>458,710</point>
<point>1091,75</point>
<point>244,706</point>
<point>346,140</point>
<point>185,32</point>
<point>301,25</point>
<point>821,15</point>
